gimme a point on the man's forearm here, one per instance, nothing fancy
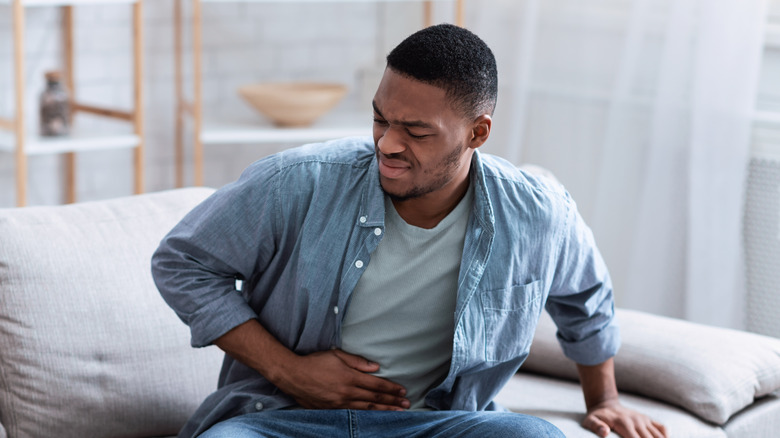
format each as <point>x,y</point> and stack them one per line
<point>251,344</point>
<point>598,383</point>
<point>329,379</point>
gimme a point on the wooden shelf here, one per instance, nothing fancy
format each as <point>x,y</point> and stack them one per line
<point>250,127</point>
<point>75,142</point>
<point>208,131</point>
<point>235,133</point>
<point>323,1</point>
<point>127,130</point>
<point>42,3</point>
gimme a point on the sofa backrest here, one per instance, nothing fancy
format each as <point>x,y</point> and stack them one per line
<point>87,345</point>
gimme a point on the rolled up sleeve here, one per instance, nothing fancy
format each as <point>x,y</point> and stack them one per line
<point>581,301</point>
<point>226,238</point>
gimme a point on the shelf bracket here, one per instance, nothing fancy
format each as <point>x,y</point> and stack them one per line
<point>105,112</point>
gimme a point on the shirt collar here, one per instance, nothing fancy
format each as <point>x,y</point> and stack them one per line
<point>372,207</point>
<point>483,206</point>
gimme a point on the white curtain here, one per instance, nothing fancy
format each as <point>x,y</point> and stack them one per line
<point>643,110</point>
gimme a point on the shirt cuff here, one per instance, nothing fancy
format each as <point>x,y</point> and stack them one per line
<point>219,317</point>
<point>595,348</point>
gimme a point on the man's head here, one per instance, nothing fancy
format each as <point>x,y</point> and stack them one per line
<point>454,59</point>
<point>432,109</point>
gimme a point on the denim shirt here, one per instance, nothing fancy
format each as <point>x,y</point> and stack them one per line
<point>298,228</point>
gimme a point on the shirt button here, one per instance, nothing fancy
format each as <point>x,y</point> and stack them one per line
<point>378,231</point>
<point>359,264</point>
<point>259,406</point>
<point>363,219</point>
<point>335,310</point>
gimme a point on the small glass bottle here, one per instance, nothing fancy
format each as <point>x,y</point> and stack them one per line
<point>55,106</point>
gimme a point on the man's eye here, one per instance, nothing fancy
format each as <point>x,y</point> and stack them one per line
<point>380,121</point>
<point>417,136</point>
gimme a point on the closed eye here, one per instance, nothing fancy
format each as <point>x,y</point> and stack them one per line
<point>417,136</point>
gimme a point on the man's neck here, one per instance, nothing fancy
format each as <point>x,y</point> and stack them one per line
<point>428,210</point>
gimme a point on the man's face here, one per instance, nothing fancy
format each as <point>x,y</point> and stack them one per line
<point>421,140</point>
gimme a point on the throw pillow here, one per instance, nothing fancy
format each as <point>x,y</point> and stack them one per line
<point>711,372</point>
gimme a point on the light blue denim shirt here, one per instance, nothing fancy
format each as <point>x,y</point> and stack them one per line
<point>298,228</point>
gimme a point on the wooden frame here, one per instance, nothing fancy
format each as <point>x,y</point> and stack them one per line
<point>17,125</point>
<point>21,157</point>
<point>195,108</point>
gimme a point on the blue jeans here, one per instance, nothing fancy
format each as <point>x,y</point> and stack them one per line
<point>382,424</point>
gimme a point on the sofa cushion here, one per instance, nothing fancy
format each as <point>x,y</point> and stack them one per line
<point>560,402</point>
<point>89,348</point>
<point>711,372</point>
<point>761,419</point>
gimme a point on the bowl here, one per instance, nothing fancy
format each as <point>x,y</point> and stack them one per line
<point>292,104</point>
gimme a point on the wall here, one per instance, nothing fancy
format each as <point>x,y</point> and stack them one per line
<point>243,43</point>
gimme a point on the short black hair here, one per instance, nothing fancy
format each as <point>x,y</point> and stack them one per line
<point>454,59</point>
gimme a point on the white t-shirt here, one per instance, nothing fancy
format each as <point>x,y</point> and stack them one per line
<point>402,311</point>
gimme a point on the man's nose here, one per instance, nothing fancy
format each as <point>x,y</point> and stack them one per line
<point>390,143</point>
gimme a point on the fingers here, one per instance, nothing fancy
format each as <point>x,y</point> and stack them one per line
<point>658,430</point>
<point>636,428</point>
<point>366,381</point>
<point>357,393</point>
<point>641,427</point>
<point>624,422</point>
<point>593,424</point>
<point>371,400</point>
<point>357,362</point>
<point>334,379</point>
<point>379,385</point>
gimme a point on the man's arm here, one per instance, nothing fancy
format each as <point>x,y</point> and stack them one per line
<point>324,380</point>
<point>605,413</point>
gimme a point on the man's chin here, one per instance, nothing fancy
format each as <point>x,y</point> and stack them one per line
<point>399,196</point>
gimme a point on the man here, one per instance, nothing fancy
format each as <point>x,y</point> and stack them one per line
<point>392,288</point>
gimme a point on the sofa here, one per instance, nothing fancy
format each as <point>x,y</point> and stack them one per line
<point>89,349</point>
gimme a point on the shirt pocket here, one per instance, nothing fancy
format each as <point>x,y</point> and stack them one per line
<point>510,317</point>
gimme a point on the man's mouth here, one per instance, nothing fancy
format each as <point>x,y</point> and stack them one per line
<point>392,168</point>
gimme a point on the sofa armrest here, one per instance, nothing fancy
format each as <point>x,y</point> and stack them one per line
<point>711,372</point>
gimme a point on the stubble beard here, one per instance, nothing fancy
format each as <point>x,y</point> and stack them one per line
<point>449,166</point>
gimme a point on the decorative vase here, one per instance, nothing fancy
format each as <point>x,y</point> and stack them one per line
<point>55,106</point>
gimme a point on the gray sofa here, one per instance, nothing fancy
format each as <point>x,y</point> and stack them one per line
<point>89,349</point>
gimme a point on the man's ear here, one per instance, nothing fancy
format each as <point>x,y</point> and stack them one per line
<point>480,130</point>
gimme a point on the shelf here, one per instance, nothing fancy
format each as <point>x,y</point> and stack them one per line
<point>248,129</point>
<point>76,142</point>
<point>22,140</point>
<point>41,3</point>
<point>322,1</point>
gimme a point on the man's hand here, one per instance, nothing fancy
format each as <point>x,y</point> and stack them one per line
<point>338,380</point>
<point>324,380</point>
<point>605,413</point>
<point>612,416</point>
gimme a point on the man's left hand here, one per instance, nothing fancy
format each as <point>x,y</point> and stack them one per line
<point>612,416</point>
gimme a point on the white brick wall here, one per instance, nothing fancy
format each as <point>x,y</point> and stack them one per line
<point>242,42</point>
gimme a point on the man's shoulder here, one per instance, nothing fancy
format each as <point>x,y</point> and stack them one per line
<point>300,163</point>
<point>352,151</point>
<point>522,181</point>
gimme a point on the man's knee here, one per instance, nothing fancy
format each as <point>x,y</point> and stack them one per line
<point>230,429</point>
<point>510,424</point>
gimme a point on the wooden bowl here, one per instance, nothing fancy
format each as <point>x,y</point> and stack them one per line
<point>293,103</point>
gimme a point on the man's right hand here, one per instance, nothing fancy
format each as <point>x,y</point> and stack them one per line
<point>330,379</point>
<point>335,379</point>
